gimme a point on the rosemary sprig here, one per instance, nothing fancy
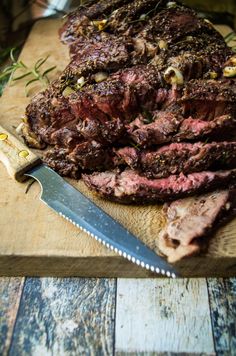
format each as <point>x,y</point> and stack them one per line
<point>34,73</point>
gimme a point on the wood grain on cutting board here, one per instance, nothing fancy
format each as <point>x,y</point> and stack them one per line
<point>35,241</point>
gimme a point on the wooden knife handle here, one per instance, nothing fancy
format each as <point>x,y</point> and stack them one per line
<point>16,156</point>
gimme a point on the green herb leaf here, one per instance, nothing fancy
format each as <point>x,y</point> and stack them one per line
<point>34,72</point>
<point>40,62</point>
<point>48,71</point>
<point>12,55</point>
<point>22,76</point>
<point>31,81</point>
<point>22,64</point>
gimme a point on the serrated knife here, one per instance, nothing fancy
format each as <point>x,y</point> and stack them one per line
<point>69,203</point>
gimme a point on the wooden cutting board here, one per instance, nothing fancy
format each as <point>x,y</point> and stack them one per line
<point>34,241</point>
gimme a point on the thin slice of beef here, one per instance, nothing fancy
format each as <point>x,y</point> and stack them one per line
<point>104,109</point>
<point>84,156</point>
<point>191,220</point>
<point>207,99</point>
<point>176,37</point>
<point>172,24</point>
<point>179,157</point>
<point>50,121</point>
<point>57,159</point>
<point>130,187</point>
<point>171,127</point>
<point>132,16</point>
<point>91,155</point>
<point>82,16</point>
<point>107,54</point>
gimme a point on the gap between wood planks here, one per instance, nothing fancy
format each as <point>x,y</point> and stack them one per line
<point>72,316</point>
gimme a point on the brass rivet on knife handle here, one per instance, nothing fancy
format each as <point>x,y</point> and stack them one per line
<point>16,157</point>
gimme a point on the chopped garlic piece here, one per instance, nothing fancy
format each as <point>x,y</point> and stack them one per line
<point>100,77</point>
<point>100,24</point>
<point>213,75</point>
<point>229,72</point>
<point>162,44</point>
<point>173,75</point>
<point>67,91</point>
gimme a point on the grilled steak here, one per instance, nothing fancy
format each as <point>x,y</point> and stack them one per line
<point>162,38</point>
<point>179,157</point>
<point>71,29</point>
<point>100,111</point>
<point>57,159</point>
<point>107,53</point>
<point>144,74</point>
<point>169,127</point>
<point>130,187</point>
<point>177,37</point>
<point>207,99</point>
<point>190,220</point>
<point>85,156</point>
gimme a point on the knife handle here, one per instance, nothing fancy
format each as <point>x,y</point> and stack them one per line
<point>16,156</point>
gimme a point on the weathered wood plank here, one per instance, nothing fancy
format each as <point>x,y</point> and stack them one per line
<point>170,316</point>
<point>10,294</point>
<point>222,297</point>
<point>65,317</point>
<point>160,354</point>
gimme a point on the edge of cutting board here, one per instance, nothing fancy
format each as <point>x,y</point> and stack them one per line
<point>109,267</point>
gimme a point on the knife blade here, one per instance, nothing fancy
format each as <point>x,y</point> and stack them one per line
<point>72,205</point>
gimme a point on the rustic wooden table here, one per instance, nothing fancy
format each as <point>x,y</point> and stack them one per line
<point>78,316</point>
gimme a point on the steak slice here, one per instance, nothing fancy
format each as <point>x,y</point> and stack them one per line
<point>85,156</point>
<point>50,121</point>
<point>179,157</point>
<point>176,37</point>
<point>130,187</point>
<point>82,16</point>
<point>171,127</point>
<point>207,99</point>
<point>173,24</point>
<point>131,17</point>
<point>191,220</point>
<point>107,53</point>
<point>98,112</point>
<point>104,109</point>
<point>57,159</point>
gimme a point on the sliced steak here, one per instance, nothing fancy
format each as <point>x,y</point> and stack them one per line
<point>207,99</point>
<point>190,220</point>
<point>177,38</point>
<point>130,187</point>
<point>173,24</point>
<point>82,16</point>
<point>85,156</point>
<point>132,16</point>
<point>104,109</point>
<point>57,159</point>
<point>91,155</point>
<point>170,127</point>
<point>107,54</point>
<point>179,157</point>
<point>50,120</point>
